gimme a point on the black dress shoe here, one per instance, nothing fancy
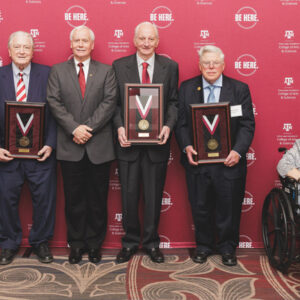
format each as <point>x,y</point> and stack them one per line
<point>155,255</point>
<point>125,254</point>
<point>43,253</point>
<point>229,259</point>
<point>75,255</point>
<point>200,257</point>
<point>94,255</point>
<point>7,256</point>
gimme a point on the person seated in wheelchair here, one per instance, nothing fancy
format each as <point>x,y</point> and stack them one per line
<point>289,167</point>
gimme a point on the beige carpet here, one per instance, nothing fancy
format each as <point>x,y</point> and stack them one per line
<point>140,279</point>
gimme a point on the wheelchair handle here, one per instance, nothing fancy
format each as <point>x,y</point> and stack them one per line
<point>282,149</point>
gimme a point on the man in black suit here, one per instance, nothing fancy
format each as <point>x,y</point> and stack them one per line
<point>216,190</point>
<point>144,164</point>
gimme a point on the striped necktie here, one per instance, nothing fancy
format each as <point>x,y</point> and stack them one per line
<point>21,91</point>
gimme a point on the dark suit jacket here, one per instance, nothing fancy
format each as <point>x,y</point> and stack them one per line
<point>242,128</point>
<point>166,72</point>
<point>71,110</point>
<point>36,93</point>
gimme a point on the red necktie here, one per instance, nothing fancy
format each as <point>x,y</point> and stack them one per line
<point>145,75</point>
<point>21,91</point>
<point>81,79</point>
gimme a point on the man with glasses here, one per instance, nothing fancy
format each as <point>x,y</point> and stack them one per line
<point>216,190</point>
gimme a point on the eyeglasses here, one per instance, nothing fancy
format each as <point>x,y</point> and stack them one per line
<point>207,64</point>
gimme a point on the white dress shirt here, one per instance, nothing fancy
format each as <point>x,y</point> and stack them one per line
<point>86,65</point>
<point>217,90</point>
<point>150,68</point>
<point>26,74</point>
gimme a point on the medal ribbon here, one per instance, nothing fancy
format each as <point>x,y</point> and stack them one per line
<point>24,129</point>
<point>211,127</point>
<point>143,110</point>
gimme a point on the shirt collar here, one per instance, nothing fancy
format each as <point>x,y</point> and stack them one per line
<point>150,61</point>
<point>218,82</point>
<point>85,62</point>
<point>16,70</point>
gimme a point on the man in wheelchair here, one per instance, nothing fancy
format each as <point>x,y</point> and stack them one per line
<point>289,165</point>
<point>281,212</point>
<point>289,169</point>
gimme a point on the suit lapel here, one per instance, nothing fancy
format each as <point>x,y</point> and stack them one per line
<point>90,79</point>
<point>198,90</point>
<point>226,91</point>
<point>132,70</point>
<point>74,77</point>
<point>9,82</point>
<point>159,74</point>
<point>33,83</point>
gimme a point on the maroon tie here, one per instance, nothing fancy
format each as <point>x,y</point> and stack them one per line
<point>145,75</point>
<point>81,79</point>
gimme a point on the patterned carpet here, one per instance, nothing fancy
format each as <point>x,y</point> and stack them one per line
<point>178,278</point>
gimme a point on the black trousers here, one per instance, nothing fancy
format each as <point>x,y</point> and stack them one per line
<point>152,177</point>
<point>41,179</point>
<point>216,203</point>
<point>86,189</point>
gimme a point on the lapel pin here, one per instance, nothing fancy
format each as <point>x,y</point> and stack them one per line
<point>91,75</point>
<point>199,88</point>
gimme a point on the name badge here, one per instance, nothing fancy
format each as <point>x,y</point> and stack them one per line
<point>236,111</point>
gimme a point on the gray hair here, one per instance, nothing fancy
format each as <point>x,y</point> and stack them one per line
<point>213,49</point>
<point>137,28</point>
<point>92,35</point>
<point>14,34</point>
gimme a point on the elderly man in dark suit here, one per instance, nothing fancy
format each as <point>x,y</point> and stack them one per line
<point>25,81</point>
<point>216,189</point>
<point>82,96</point>
<point>144,164</point>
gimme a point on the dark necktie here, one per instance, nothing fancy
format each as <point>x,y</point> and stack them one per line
<point>81,79</point>
<point>145,75</point>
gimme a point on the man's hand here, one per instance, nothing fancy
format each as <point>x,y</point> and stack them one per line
<point>82,134</point>
<point>122,137</point>
<point>232,159</point>
<point>5,155</point>
<point>190,151</point>
<point>164,135</point>
<point>294,173</point>
<point>44,153</point>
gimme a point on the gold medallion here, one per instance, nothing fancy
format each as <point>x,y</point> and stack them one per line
<point>143,124</point>
<point>212,144</point>
<point>24,141</point>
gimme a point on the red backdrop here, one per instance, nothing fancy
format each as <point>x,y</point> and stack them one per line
<point>261,42</point>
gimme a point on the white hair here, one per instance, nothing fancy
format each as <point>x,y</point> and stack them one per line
<point>137,28</point>
<point>24,33</point>
<point>213,49</point>
<point>92,35</point>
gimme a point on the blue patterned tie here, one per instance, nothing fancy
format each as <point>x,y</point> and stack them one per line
<point>211,97</point>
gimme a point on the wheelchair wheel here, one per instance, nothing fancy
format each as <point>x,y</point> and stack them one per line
<point>278,229</point>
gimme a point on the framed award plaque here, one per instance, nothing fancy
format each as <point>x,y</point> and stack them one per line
<point>211,129</point>
<point>143,112</point>
<point>24,128</point>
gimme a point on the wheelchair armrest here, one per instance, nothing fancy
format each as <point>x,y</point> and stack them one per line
<point>282,149</point>
<point>289,182</point>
